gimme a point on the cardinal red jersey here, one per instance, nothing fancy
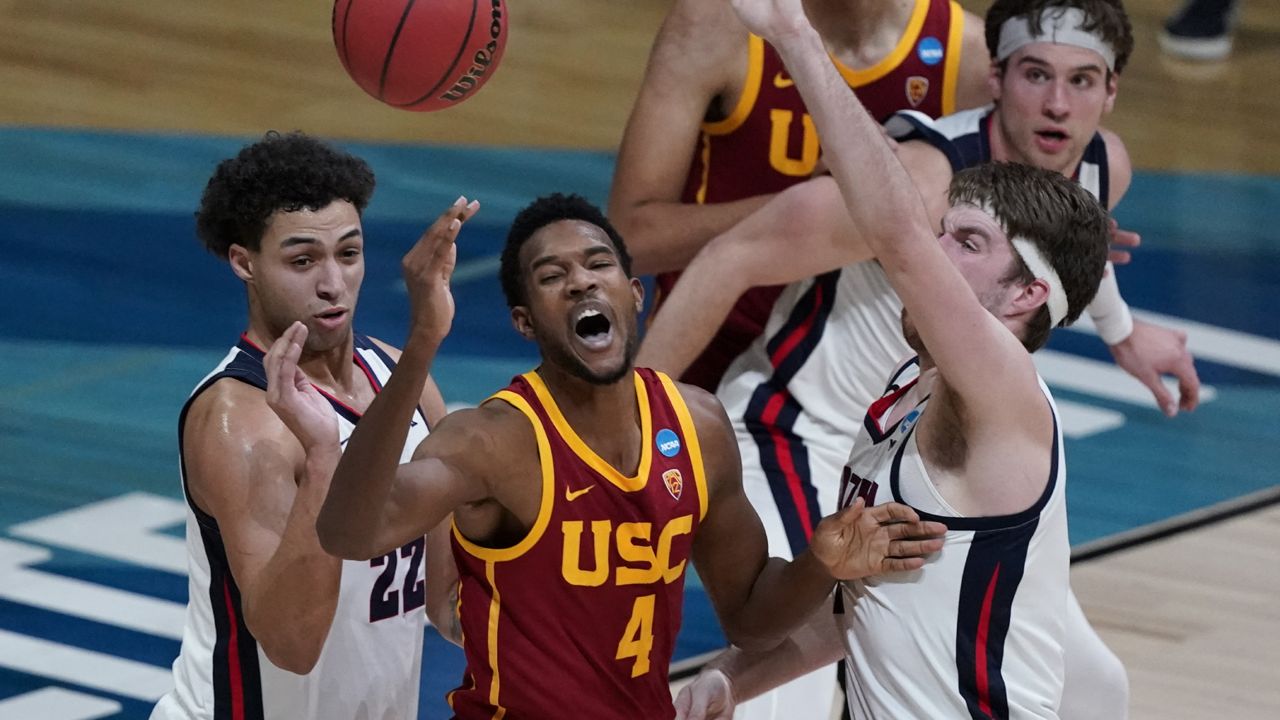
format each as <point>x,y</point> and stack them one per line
<point>769,142</point>
<point>579,618</point>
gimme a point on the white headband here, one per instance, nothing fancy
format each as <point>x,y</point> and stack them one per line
<point>1040,267</point>
<point>1061,25</point>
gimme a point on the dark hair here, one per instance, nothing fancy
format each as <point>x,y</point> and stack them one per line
<point>1107,18</point>
<point>279,172</point>
<point>539,214</point>
<point>1065,222</point>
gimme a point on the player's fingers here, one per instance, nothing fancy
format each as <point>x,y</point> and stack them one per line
<point>914,548</point>
<point>1119,257</point>
<point>1125,238</point>
<point>1162,395</point>
<point>893,564</point>
<point>917,530</point>
<point>894,512</point>
<point>1188,383</point>
<point>682,704</point>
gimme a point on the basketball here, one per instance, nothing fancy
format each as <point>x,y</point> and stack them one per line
<point>420,54</point>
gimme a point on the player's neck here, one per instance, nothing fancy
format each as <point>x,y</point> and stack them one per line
<point>332,369</point>
<point>605,416</point>
<point>860,33</point>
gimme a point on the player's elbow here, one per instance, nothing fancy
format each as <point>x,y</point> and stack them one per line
<point>752,637</point>
<point>298,655</point>
<point>340,542</point>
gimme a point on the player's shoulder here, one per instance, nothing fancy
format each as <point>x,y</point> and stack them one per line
<point>232,404</point>
<point>705,409</point>
<point>487,432</point>
<point>1119,166</point>
<point>392,351</point>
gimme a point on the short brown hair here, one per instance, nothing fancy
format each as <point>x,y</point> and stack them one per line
<point>1107,18</point>
<point>1064,221</point>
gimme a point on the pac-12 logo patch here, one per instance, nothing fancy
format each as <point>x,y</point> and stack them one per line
<point>674,482</point>
<point>930,50</point>
<point>668,442</point>
<point>917,89</point>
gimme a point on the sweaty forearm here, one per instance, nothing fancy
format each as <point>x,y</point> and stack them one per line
<point>691,314</point>
<point>290,605</point>
<point>360,493</point>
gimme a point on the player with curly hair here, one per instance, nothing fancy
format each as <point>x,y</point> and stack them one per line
<point>276,627</point>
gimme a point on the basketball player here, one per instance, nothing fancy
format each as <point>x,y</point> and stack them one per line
<point>276,627</point>
<point>578,494</point>
<point>718,125</point>
<point>792,394</point>
<point>966,431</point>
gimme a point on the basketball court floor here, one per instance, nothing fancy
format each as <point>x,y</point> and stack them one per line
<point>114,114</point>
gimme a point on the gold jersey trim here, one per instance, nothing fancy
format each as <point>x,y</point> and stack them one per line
<point>495,611</point>
<point>589,456</point>
<point>750,91</point>
<point>547,464</point>
<point>858,78</point>
<point>690,434</point>
<point>951,71</point>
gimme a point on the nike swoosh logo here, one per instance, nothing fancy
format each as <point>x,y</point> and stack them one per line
<point>572,495</point>
<point>782,81</point>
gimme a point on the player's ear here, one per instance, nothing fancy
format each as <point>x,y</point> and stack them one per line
<point>1033,295</point>
<point>637,289</point>
<point>1113,82</point>
<point>241,261</point>
<point>521,322</point>
<point>995,74</point>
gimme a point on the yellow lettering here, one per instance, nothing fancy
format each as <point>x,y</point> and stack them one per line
<point>779,145</point>
<point>641,553</point>
<point>682,525</point>
<point>570,561</point>
<point>637,639</point>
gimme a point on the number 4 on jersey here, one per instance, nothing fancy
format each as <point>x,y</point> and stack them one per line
<point>637,639</point>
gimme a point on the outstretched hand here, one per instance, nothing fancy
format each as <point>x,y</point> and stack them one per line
<point>1152,351</point>
<point>428,268</point>
<point>292,396</point>
<point>859,541</point>
<point>708,697</point>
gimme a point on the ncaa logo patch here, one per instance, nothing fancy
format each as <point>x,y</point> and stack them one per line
<point>917,89</point>
<point>674,482</point>
<point>668,442</point>
<point>909,420</point>
<point>930,50</point>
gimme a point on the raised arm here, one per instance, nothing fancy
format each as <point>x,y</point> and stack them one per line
<point>245,469</point>
<point>981,360</point>
<point>697,58</point>
<point>801,232</point>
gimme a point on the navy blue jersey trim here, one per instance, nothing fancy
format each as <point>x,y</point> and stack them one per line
<point>776,439</point>
<point>992,573</point>
<point>1096,153</point>
<point>990,522</point>
<point>228,619</point>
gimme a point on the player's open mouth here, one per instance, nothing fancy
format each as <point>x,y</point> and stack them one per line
<point>1051,139</point>
<point>331,318</point>
<point>593,328</point>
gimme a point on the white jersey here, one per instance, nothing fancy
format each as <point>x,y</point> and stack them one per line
<point>978,632</point>
<point>370,665</point>
<point>796,396</point>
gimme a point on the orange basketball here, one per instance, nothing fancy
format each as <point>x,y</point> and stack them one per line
<point>420,54</point>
